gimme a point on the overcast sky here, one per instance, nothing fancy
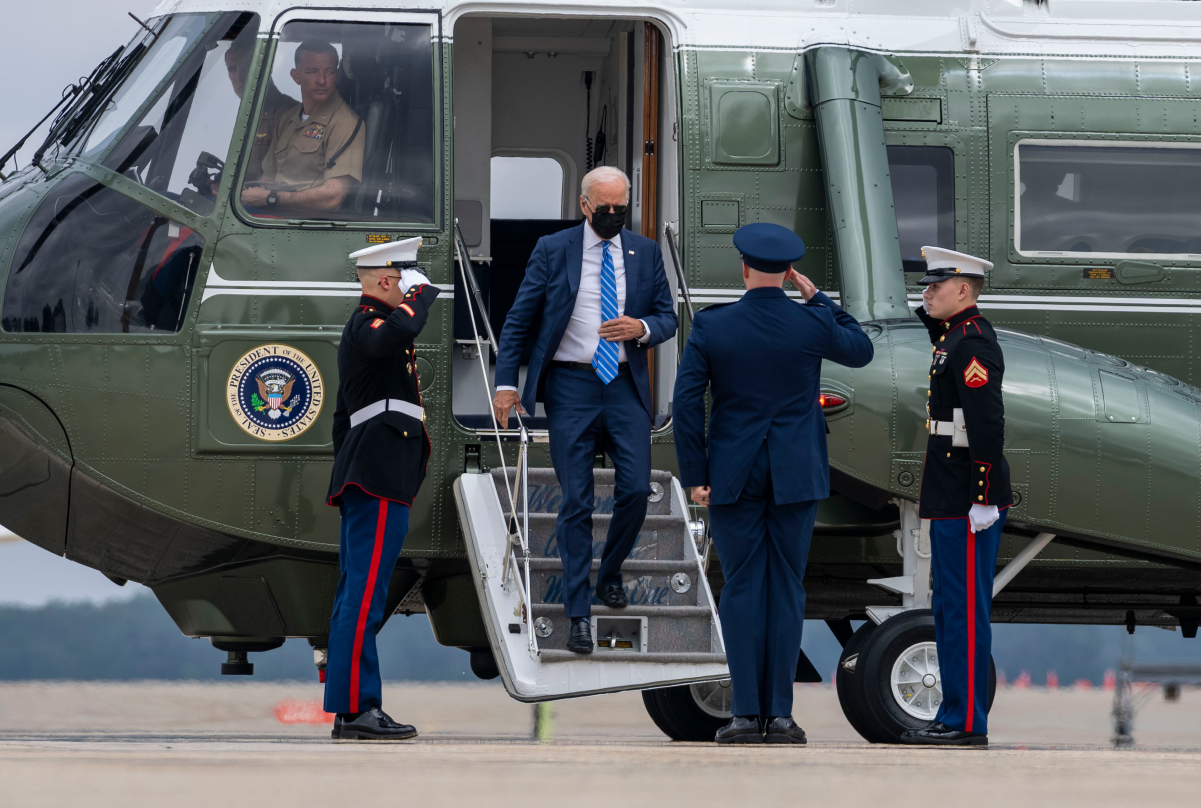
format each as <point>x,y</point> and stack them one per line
<point>50,44</point>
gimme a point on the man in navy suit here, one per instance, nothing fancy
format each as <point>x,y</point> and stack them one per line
<point>764,466</point>
<point>595,299</point>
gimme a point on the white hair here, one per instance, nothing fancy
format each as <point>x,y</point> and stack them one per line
<point>604,174</point>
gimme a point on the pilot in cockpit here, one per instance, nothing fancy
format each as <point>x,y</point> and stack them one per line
<point>315,157</point>
<point>275,104</point>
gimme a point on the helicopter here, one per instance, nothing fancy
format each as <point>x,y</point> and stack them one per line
<point>167,347</point>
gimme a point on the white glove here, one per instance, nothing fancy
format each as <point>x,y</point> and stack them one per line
<point>982,517</point>
<point>412,277</point>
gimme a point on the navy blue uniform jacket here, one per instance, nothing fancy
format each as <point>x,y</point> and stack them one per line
<point>966,371</point>
<point>546,300</point>
<point>386,455</point>
<point>762,357</point>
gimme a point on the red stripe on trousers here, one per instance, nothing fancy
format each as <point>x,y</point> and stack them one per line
<point>365,606</point>
<point>971,624</point>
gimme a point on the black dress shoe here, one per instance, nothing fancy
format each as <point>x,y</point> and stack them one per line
<point>782,729</point>
<point>937,733</point>
<point>613,596</point>
<point>741,729</point>
<point>580,640</point>
<point>372,725</point>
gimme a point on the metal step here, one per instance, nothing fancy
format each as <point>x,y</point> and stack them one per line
<point>690,658</point>
<point>662,536</point>
<point>665,636</point>
<point>546,494</point>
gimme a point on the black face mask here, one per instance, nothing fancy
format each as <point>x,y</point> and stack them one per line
<point>608,225</point>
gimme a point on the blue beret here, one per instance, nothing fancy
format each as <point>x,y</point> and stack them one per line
<point>768,247</point>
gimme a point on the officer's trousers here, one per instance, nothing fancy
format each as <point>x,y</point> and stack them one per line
<point>763,548</point>
<point>373,531</point>
<point>586,415</point>
<point>964,564</point>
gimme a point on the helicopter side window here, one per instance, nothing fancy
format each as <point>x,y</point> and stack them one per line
<point>178,146</point>
<point>923,192</point>
<point>1108,199</point>
<point>346,126</point>
<point>92,260</point>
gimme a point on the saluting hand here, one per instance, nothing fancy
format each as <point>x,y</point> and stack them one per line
<point>622,329</point>
<point>700,495</point>
<point>803,284</point>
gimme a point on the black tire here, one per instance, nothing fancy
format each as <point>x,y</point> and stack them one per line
<point>679,713</point>
<point>880,710</point>
<point>847,681</point>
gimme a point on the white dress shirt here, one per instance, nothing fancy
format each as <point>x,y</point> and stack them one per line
<point>581,339</point>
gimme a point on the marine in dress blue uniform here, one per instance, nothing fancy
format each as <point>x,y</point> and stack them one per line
<point>763,462</point>
<point>381,450</point>
<point>965,491</point>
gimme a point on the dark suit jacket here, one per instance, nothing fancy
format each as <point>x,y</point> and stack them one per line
<point>546,300</point>
<point>762,357</point>
<point>386,455</point>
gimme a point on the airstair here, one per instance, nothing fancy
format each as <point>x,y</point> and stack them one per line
<point>668,635</point>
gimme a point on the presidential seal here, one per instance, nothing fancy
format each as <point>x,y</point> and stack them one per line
<point>274,392</point>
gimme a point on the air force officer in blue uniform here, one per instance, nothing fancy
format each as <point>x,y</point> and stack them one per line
<point>595,300</point>
<point>763,466</point>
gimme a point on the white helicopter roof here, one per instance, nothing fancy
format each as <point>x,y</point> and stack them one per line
<point>1092,28</point>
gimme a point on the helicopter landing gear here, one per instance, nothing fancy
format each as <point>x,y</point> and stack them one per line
<point>692,712</point>
<point>888,679</point>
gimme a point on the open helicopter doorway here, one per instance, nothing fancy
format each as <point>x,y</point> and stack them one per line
<point>538,102</point>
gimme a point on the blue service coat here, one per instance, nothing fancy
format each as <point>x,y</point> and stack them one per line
<point>762,356</point>
<point>546,300</point>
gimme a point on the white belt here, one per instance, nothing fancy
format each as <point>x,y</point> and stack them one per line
<point>956,430</point>
<point>386,405</point>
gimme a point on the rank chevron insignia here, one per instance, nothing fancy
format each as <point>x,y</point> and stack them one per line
<point>975,374</point>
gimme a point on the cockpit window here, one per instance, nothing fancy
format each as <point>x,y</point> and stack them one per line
<point>178,146</point>
<point>346,127</point>
<point>167,45</point>
<point>92,260</point>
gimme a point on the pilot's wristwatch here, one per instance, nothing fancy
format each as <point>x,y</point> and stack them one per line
<point>272,199</point>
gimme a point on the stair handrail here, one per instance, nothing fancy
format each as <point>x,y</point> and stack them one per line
<point>675,260</point>
<point>523,533</point>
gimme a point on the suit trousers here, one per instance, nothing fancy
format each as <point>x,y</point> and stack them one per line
<point>763,547</point>
<point>373,531</point>
<point>585,416</point>
<point>963,563</point>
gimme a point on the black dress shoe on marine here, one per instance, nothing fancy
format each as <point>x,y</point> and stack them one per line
<point>782,729</point>
<point>371,725</point>
<point>937,733</point>
<point>580,641</point>
<point>742,729</point>
<point>613,596</point>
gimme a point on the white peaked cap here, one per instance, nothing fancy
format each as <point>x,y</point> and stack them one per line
<point>939,258</point>
<point>394,253</point>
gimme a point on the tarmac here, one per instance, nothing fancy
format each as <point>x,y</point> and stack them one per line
<point>248,743</point>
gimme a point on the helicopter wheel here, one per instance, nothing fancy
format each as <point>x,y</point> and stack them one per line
<point>893,683</point>
<point>690,712</point>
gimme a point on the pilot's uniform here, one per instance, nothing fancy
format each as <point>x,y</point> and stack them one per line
<point>764,460</point>
<point>302,147</point>
<point>965,482</point>
<point>381,450</point>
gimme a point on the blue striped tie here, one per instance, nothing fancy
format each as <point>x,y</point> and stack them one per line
<point>605,358</point>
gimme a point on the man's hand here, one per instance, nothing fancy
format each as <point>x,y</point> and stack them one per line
<point>982,517</point>
<point>255,196</point>
<point>622,329</point>
<point>412,277</point>
<point>504,401</point>
<point>700,495</point>
<point>803,284</point>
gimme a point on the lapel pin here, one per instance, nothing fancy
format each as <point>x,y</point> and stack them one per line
<point>631,252</point>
